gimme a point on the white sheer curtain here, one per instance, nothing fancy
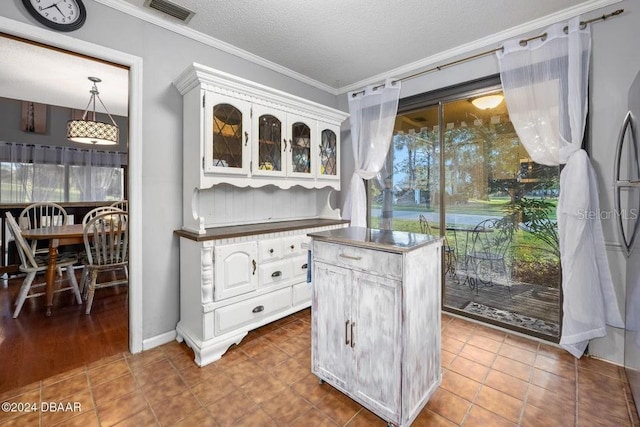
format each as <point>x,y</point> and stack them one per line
<point>373,115</point>
<point>545,84</point>
<point>34,173</point>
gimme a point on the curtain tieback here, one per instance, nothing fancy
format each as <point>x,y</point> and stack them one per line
<point>567,151</point>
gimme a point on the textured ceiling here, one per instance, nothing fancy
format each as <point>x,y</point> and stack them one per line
<point>49,76</point>
<point>343,42</point>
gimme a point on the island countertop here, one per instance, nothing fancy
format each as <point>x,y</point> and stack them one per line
<point>385,240</point>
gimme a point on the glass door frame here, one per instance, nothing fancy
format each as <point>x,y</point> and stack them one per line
<point>439,98</point>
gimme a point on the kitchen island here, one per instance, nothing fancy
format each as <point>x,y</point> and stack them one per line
<point>376,303</point>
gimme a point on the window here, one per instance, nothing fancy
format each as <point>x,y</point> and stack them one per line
<point>460,172</point>
<point>31,173</point>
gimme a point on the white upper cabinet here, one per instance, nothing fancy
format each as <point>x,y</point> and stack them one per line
<point>245,134</point>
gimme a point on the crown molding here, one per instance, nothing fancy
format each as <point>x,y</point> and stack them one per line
<point>485,43</point>
<point>177,28</point>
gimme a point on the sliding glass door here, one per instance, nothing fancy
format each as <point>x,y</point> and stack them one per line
<point>458,170</point>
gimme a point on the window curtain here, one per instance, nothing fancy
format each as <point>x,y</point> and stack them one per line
<point>34,173</point>
<point>545,83</point>
<point>372,116</point>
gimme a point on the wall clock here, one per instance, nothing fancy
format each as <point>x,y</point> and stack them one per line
<point>60,15</point>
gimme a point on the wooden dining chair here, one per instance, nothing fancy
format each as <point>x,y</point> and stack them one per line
<point>32,264</point>
<point>106,241</point>
<point>121,204</point>
<point>83,255</point>
<point>42,214</point>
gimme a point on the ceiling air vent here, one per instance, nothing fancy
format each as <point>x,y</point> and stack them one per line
<point>170,9</point>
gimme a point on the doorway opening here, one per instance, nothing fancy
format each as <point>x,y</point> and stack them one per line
<point>123,331</point>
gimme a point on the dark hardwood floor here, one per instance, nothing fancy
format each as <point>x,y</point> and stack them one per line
<point>34,347</point>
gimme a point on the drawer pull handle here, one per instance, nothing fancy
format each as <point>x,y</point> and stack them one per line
<point>357,258</point>
<point>304,266</point>
<point>276,273</point>
<point>346,332</point>
<point>253,262</point>
<point>258,309</point>
<point>353,340</point>
<point>246,138</point>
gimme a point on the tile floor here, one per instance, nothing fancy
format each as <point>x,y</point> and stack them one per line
<point>490,378</point>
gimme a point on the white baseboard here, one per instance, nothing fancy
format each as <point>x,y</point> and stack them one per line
<point>158,340</point>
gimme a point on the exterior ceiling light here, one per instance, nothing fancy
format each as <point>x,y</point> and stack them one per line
<point>488,101</point>
<point>90,131</point>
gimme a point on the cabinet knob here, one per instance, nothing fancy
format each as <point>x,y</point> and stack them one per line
<point>271,250</point>
<point>293,247</point>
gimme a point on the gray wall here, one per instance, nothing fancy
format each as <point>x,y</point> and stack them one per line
<point>615,62</point>
<point>57,117</point>
<point>165,54</point>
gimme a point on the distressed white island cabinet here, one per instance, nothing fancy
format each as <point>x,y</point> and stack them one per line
<point>376,318</point>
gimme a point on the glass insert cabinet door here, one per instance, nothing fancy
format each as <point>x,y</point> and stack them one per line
<point>227,147</point>
<point>269,152</point>
<point>299,155</point>
<point>328,156</point>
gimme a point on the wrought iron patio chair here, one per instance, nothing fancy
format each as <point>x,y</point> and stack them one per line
<point>449,251</point>
<point>490,241</point>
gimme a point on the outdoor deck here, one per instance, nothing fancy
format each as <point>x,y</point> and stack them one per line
<point>532,301</point>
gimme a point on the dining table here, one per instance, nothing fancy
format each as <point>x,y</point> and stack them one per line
<point>57,236</point>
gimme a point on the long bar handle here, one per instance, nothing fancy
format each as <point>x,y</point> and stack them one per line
<point>627,241</point>
<point>346,333</point>
<point>357,258</point>
<point>353,340</point>
<point>623,131</point>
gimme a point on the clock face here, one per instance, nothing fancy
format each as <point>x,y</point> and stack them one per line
<point>61,15</point>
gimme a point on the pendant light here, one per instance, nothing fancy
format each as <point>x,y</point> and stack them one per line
<point>90,131</point>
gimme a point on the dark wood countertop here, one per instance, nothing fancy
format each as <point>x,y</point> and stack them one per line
<point>253,229</point>
<point>385,240</point>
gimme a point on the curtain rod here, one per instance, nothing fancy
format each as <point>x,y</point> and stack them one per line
<point>523,42</point>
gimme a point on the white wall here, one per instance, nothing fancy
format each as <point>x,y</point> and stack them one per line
<point>165,54</point>
<point>615,63</point>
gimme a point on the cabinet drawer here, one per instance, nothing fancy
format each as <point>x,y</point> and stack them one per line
<point>369,260</point>
<point>233,316</point>
<point>292,246</point>
<point>301,293</point>
<point>269,250</point>
<point>299,267</point>
<point>275,272</point>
